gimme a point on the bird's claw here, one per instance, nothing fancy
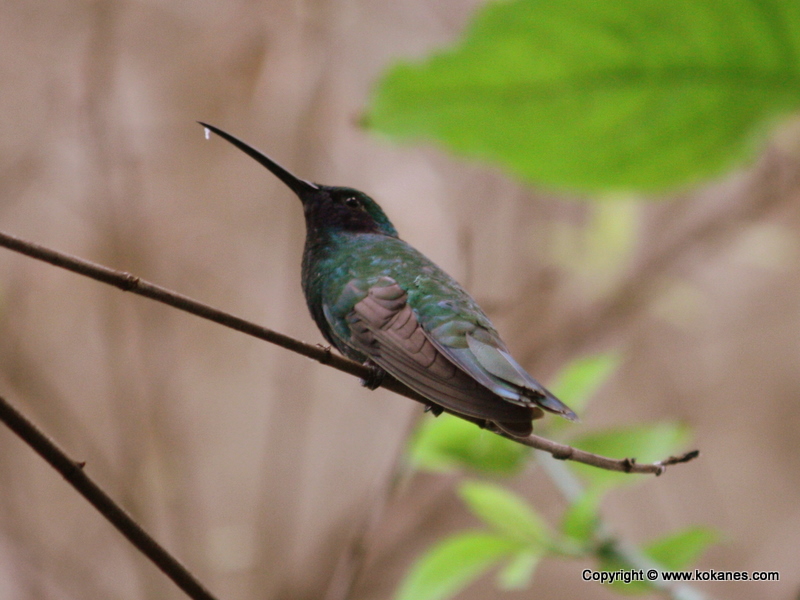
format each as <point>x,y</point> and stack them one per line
<point>434,409</point>
<point>375,377</point>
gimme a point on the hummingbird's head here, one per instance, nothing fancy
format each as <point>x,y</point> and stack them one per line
<point>326,208</point>
<point>330,208</point>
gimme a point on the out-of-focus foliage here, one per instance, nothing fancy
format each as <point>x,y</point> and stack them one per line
<point>256,466</point>
<point>585,95</point>
<point>579,522</point>
<point>454,563</point>
<point>447,442</point>
<point>581,379</point>
<point>517,536</point>
<point>678,550</point>
<point>506,513</point>
<point>634,95</point>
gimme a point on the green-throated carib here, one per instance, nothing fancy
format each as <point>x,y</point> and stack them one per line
<point>377,299</point>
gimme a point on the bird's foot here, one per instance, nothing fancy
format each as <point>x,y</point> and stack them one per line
<point>434,409</point>
<point>375,377</point>
<point>325,359</point>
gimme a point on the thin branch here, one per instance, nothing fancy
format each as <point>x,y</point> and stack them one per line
<point>625,465</point>
<point>73,472</point>
<point>130,283</point>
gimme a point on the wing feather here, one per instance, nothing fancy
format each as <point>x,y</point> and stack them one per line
<point>487,359</point>
<point>384,328</point>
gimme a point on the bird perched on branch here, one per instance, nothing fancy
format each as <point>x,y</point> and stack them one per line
<point>380,301</point>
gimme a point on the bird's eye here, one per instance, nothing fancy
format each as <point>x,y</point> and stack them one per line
<point>353,202</point>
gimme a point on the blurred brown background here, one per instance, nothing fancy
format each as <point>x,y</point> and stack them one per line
<point>259,468</point>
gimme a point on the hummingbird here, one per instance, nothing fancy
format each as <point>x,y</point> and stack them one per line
<point>380,301</point>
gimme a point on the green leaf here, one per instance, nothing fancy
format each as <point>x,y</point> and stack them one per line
<point>645,443</point>
<point>581,379</point>
<point>581,519</point>
<point>679,550</point>
<point>506,512</point>
<point>587,95</point>
<point>454,563</point>
<point>517,574</point>
<point>446,443</point>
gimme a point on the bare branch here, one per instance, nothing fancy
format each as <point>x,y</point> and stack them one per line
<point>73,472</point>
<point>130,283</point>
<point>625,465</point>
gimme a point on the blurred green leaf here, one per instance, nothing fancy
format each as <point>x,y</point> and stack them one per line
<point>454,563</point>
<point>446,443</point>
<point>645,443</point>
<point>581,518</point>
<point>581,379</point>
<point>518,573</point>
<point>506,512</point>
<point>679,550</point>
<point>587,95</point>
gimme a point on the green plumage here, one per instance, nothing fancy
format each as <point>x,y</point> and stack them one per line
<point>437,299</point>
<point>377,299</point>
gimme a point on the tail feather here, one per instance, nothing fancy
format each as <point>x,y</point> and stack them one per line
<point>542,397</point>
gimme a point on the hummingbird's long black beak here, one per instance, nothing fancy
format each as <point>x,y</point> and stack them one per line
<point>301,187</point>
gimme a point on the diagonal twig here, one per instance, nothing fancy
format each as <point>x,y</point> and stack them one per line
<point>130,283</point>
<point>73,472</point>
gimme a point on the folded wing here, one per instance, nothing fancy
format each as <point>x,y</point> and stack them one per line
<point>383,327</point>
<point>487,359</point>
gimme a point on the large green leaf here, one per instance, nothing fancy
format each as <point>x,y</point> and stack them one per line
<point>453,564</point>
<point>506,512</point>
<point>679,550</point>
<point>517,574</point>
<point>588,95</point>
<point>581,519</point>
